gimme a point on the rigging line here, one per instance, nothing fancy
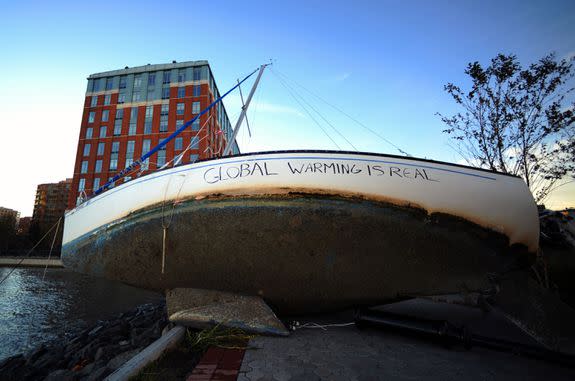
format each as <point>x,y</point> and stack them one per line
<point>52,247</point>
<point>189,145</point>
<point>307,112</point>
<point>29,252</point>
<point>346,114</point>
<point>322,117</point>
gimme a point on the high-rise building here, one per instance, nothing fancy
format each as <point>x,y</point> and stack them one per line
<point>50,203</point>
<point>129,111</point>
<point>10,217</point>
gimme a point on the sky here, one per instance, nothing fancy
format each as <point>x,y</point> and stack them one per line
<point>382,62</point>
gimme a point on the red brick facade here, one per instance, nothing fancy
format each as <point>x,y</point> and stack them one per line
<point>209,133</point>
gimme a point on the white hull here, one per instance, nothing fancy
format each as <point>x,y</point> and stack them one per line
<point>494,201</point>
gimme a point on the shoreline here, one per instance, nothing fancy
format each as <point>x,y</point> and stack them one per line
<point>55,262</point>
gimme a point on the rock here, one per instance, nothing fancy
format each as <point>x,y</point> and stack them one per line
<point>121,359</point>
<point>61,375</point>
<point>99,374</point>
<point>106,352</point>
<point>142,337</point>
<point>87,370</point>
<point>95,330</point>
<point>35,354</point>
<point>49,360</point>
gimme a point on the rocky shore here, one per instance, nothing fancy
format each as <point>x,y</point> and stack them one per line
<point>93,353</point>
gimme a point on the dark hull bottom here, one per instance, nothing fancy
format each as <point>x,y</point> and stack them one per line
<point>301,254</point>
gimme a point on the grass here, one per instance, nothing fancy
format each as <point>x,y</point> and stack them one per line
<point>180,361</point>
<point>217,336</point>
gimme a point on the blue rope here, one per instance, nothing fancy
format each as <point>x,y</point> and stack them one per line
<point>167,140</point>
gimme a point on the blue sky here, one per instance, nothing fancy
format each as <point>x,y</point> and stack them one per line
<point>383,62</point>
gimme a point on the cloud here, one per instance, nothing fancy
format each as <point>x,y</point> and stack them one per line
<point>342,77</point>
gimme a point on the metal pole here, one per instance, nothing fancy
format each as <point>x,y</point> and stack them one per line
<point>243,114</point>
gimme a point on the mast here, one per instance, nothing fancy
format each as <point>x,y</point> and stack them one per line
<point>244,111</point>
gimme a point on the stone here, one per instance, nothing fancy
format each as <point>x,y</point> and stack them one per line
<point>95,330</point>
<point>61,375</point>
<point>99,374</point>
<point>86,370</point>
<point>121,359</point>
<point>36,353</point>
<point>107,352</point>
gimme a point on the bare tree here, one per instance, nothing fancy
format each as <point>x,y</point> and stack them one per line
<point>518,121</point>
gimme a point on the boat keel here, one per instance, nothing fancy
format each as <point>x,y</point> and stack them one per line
<point>200,308</point>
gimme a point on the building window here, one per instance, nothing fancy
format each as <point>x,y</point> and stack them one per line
<point>103,131</point>
<point>87,149</point>
<point>195,107</point>
<point>121,98</point>
<point>148,119</point>
<point>193,158</point>
<point>120,113</point>
<point>149,111</point>
<point>165,109</point>
<point>114,156</point>
<point>182,75</point>
<point>101,147</point>
<point>123,82</point>
<point>137,81</point>
<point>178,143</point>
<point>118,127</point>
<point>151,92</point>
<point>161,157</point>
<point>130,152</point>
<point>165,92</point>
<point>84,168</point>
<point>145,149</point>
<point>98,167</point>
<point>181,92</point>
<point>197,73</point>
<point>109,83</point>
<point>96,183</point>
<point>180,109</point>
<point>196,125</point>
<point>105,115</point>
<point>136,96</point>
<point>91,117</point>
<point>81,185</point>
<point>148,126</point>
<point>151,79</point>
<point>96,85</point>
<point>194,144</point>
<point>94,101</point>
<point>179,123</point>
<point>133,121</point>
<point>166,77</point>
<point>164,124</point>
<point>107,99</point>
<point>89,133</point>
<point>197,90</point>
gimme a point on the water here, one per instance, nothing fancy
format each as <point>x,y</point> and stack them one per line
<point>33,311</point>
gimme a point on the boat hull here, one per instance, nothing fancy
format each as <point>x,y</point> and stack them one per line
<point>302,248</point>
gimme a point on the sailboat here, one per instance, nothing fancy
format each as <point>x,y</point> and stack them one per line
<point>239,238</point>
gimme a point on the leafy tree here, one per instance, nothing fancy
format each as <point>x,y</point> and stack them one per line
<point>518,121</point>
